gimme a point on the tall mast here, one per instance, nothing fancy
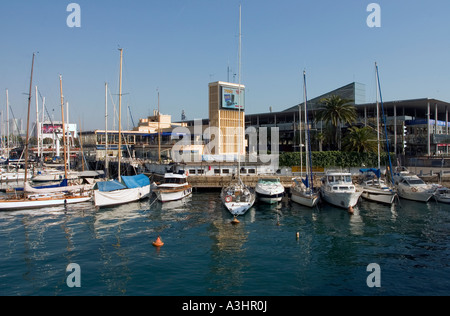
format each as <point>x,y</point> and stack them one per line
<point>7,126</point>
<point>28,121</point>
<point>68,137</point>
<point>120,112</point>
<point>378,118</point>
<point>159,132</point>
<point>106,129</point>
<point>37,123</point>
<point>240,94</point>
<point>63,127</point>
<point>306,128</point>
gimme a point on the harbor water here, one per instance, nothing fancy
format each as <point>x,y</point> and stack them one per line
<point>280,250</point>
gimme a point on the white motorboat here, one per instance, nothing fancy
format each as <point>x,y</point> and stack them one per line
<point>175,187</point>
<point>269,190</point>
<point>411,187</point>
<point>442,195</point>
<point>375,189</point>
<point>339,190</point>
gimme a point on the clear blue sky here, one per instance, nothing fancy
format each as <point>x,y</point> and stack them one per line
<point>179,46</point>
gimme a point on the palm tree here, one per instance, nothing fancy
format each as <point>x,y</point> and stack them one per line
<point>362,139</point>
<point>334,112</point>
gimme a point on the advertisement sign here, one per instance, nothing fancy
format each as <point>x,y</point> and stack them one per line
<point>51,128</point>
<point>230,98</point>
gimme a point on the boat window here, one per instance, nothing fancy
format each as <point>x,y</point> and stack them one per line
<point>251,171</point>
<point>335,188</point>
<point>227,171</point>
<point>191,171</point>
<point>216,171</point>
<point>348,179</point>
<point>343,188</point>
<point>330,179</point>
<point>416,181</point>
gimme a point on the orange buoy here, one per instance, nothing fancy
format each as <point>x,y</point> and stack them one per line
<point>235,221</point>
<point>158,242</point>
<point>350,210</point>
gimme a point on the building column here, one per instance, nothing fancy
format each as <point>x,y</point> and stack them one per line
<point>436,125</point>
<point>395,130</point>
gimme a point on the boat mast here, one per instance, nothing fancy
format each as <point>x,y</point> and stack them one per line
<point>7,128</point>
<point>378,118</point>
<point>106,130</point>
<point>306,129</point>
<point>120,112</point>
<point>28,121</point>
<point>63,127</point>
<point>159,132</point>
<point>240,95</point>
<point>37,123</point>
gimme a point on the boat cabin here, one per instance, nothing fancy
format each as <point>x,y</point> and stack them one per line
<point>338,181</point>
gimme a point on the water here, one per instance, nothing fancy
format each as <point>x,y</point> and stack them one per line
<point>205,255</point>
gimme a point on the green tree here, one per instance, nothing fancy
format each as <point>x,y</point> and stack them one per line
<point>336,111</point>
<point>360,140</point>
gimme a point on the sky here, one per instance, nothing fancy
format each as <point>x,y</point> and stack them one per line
<point>176,47</point>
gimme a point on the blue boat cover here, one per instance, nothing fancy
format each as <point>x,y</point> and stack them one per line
<point>107,186</point>
<point>377,172</point>
<point>138,181</point>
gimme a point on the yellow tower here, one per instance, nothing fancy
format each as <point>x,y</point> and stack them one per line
<point>226,113</point>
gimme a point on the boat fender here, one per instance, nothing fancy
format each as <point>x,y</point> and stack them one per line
<point>228,199</point>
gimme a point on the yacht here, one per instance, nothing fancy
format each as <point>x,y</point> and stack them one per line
<point>269,190</point>
<point>174,187</point>
<point>375,189</point>
<point>411,187</point>
<point>339,190</point>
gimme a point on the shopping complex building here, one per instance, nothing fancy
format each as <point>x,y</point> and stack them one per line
<point>416,127</point>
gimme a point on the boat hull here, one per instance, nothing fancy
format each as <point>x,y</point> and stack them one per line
<point>341,199</point>
<point>420,196</point>
<point>41,202</point>
<point>304,198</point>
<point>167,195</point>
<point>111,198</point>
<point>379,195</point>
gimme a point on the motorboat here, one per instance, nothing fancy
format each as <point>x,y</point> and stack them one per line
<point>339,190</point>
<point>442,194</point>
<point>411,187</point>
<point>269,190</point>
<point>174,187</point>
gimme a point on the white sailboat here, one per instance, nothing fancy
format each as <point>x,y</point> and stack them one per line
<point>37,200</point>
<point>237,197</point>
<point>302,191</point>
<point>133,188</point>
<point>375,189</point>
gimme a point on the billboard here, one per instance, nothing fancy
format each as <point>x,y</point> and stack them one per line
<point>231,99</point>
<point>51,128</point>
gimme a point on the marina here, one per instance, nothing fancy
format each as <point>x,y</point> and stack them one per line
<point>258,190</point>
<point>204,255</point>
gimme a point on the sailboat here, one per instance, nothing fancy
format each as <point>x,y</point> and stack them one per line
<point>127,188</point>
<point>302,191</point>
<point>38,200</point>
<point>373,187</point>
<point>237,197</point>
